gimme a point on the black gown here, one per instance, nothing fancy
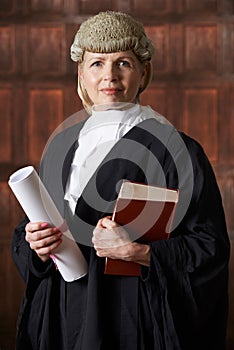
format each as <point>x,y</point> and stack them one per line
<point>179,302</point>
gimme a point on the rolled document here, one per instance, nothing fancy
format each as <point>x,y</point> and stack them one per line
<point>39,207</point>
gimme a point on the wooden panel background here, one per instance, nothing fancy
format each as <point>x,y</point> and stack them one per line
<point>193,86</point>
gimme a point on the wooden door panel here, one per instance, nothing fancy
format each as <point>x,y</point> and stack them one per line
<point>160,37</point>
<point>52,6</point>
<point>226,131</point>
<point>210,6</point>
<point>201,48</point>
<point>6,125</point>
<point>46,50</point>
<point>45,114</point>
<point>7,43</point>
<point>201,118</point>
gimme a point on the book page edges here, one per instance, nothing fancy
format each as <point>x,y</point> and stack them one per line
<point>130,190</point>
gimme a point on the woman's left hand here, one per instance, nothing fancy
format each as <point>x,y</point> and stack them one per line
<point>112,241</point>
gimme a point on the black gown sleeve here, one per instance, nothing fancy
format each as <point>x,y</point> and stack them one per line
<point>190,270</point>
<point>21,249</point>
<point>25,258</point>
<point>202,232</point>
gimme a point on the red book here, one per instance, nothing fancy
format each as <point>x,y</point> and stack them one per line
<point>146,212</point>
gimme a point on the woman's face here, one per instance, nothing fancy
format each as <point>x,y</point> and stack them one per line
<point>112,77</point>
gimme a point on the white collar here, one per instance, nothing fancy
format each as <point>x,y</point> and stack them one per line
<point>111,116</point>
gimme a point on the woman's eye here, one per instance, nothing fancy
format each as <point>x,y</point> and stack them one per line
<point>124,63</point>
<point>96,64</point>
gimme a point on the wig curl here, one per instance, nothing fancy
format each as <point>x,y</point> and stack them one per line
<point>111,32</point>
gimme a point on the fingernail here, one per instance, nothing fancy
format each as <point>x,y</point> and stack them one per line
<point>45,224</point>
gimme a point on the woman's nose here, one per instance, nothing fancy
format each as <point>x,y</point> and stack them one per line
<point>110,72</point>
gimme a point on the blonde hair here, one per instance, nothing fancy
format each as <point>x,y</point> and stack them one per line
<point>111,32</point>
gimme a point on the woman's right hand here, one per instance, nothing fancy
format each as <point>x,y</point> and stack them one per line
<point>42,238</point>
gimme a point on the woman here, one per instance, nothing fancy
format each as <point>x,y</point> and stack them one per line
<point>180,299</point>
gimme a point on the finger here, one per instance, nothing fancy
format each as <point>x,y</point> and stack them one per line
<point>49,249</point>
<point>100,222</point>
<point>100,253</point>
<point>38,235</point>
<point>35,226</point>
<point>108,223</point>
<point>45,242</point>
<point>103,236</point>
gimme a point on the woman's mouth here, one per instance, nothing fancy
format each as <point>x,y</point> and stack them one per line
<point>110,91</point>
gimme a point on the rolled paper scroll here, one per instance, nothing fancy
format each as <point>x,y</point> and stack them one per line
<point>39,207</point>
